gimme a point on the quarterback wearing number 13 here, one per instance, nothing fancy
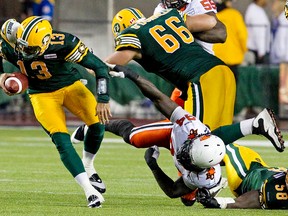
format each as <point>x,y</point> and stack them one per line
<point>48,58</point>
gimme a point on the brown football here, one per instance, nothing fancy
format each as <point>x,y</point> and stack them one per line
<point>17,84</point>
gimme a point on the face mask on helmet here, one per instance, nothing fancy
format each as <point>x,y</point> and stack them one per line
<point>175,3</point>
<point>202,152</point>
<point>125,18</point>
<point>33,37</point>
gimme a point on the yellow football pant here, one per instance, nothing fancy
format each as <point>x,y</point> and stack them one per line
<point>238,161</point>
<point>49,107</point>
<point>212,99</point>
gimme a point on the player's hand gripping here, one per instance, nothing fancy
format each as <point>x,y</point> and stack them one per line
<point>121,71</point>
<point>151,156</point>
<point>103,112</point>
<point>3,77</point>
<point>204,197</point>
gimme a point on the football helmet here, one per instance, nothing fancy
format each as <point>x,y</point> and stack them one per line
<point>286,9</point>
<point>9,29</point>
<point>125,18</point>
<point>175,3</point>
<point>202,152</point>
<point>33,36</point>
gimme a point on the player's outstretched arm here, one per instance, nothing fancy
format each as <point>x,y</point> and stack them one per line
<point>164,104</point>
<point>248,200</point>
<point>169,187</point>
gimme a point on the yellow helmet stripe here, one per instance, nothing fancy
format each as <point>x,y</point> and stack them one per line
<point>29,27</point>
<point>135,12</point>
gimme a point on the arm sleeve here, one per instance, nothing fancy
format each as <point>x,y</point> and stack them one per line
<point>102,78</point>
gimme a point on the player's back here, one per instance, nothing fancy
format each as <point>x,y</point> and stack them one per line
<point>270,181</point>
<point>168,48</point>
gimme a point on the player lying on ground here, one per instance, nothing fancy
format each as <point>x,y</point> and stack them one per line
<point>254,184</point>
<point>263,124</point>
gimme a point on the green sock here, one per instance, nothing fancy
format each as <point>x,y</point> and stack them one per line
<point>94,137</point>
<point>229,133</point>
<point>68,154</point>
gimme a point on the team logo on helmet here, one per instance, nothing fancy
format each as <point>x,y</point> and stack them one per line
<point>46,40</point>
<point>116,28</point>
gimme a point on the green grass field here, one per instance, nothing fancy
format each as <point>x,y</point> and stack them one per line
<point>33,180</point>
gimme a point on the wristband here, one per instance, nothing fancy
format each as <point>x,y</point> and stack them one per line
<point>102,87</point>
<point>224,201</point>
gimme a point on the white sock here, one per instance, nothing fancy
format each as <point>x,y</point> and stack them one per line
<point>83,180</point>
<point>246,126</point>
<point>88,162</point>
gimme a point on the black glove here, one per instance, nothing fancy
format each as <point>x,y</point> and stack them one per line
<point>151,156</point>
<point>204,197</point>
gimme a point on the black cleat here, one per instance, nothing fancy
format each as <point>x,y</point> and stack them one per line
<point>97,183</point>
<point>94,202</point>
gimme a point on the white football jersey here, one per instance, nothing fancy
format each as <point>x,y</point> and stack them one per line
<point>208,178</point>
<point>187,126</point>
<point>194,8</point>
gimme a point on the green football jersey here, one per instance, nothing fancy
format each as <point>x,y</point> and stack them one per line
<point>271,184</point>
<point>168,48</point>
<point>56,69</point>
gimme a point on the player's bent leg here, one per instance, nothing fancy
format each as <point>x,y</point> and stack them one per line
<point>265,124</point>
<point>189,199</point>
<point>148,135</point>
<point>121,128</point>
<point>92,142</point>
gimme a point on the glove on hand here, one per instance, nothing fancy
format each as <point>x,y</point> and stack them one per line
<point>151,156</point>
<point>122,71</point>
<point>204,197</point>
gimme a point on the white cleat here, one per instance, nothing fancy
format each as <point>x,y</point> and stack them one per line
<point>265,124</point>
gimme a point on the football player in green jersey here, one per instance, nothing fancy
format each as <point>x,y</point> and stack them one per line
<point>247,173</point>
<point>163,44</point>
<point>251,180</point>
<point>47,57</point>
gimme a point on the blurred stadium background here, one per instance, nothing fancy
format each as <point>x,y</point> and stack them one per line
<point>91,21</point>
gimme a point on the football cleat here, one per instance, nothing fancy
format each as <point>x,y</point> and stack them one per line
<point>189,199</point>
<point>79,134</point>
<point>97,183</point>
<point>265,124</point>
<point>94,202</point>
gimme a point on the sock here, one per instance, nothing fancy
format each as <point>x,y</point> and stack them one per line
<point>88,162</point>
<point>229,133</point>
<point>94,137</point>
<point>246,126</point>
<point>83,180</point>
<point>121,128</point>
<point>68,154</point>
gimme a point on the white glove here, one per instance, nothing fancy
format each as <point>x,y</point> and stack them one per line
<point>112,73</point>
<point>117,74</point>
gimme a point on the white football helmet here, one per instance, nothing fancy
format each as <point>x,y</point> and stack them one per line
<point>9,30</point>
<point>175,3</point>
<point>203,152</point>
